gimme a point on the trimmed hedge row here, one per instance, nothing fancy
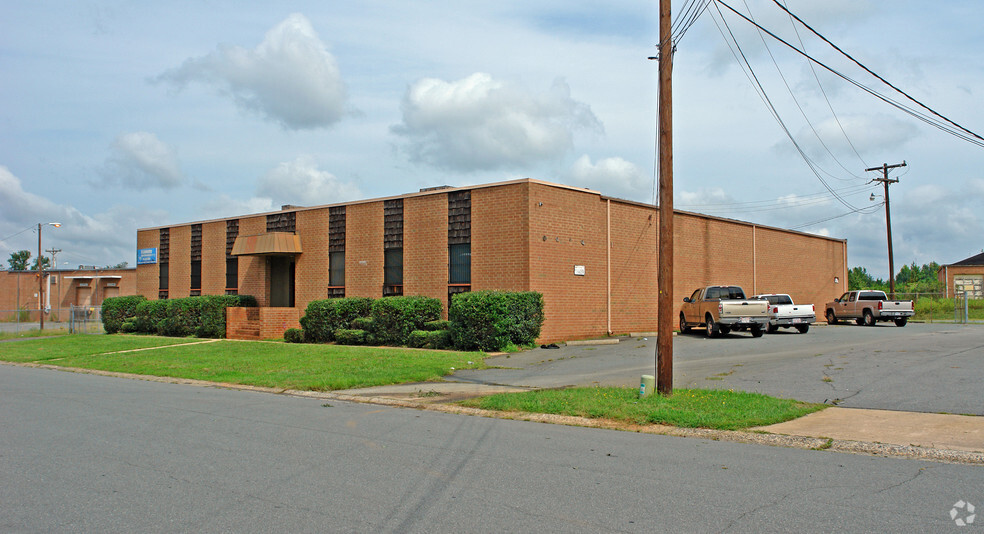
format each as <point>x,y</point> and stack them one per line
<point>116,310</point>
<point>491,320</point>
<point>192,316</point>
<point>484,320</point>
<point>323,318</point>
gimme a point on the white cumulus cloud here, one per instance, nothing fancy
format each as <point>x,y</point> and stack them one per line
<point>301,182</point>
<point>289,78</point>
<point>613,176</point>
<point>139,160</point>
<point>479,123</point>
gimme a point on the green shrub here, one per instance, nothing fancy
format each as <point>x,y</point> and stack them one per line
<point>348,336</point>
<point>429,339</point>
<point>182,317</point>
<point>362,323</point>
<point>437,325</point>
<point>491,320</point>
<point>294,335</point>
<point>116,310</point>
<point>150,316</point>
<point>212,313</point>
<point>129,325</point>
<point>323,318</point>
<point>395,317</point>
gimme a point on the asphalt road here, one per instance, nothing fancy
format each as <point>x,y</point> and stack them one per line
<point>85,453</point>
<point>932,368</point>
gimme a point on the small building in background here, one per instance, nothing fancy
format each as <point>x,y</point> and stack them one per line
<point>964,276</point>
<point>60,290</point>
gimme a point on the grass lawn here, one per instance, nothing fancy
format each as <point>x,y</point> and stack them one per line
<point>34,332</point>
<point>276,365</point>
<point>692,408</point>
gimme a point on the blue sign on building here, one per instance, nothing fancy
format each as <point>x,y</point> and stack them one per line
<point>146,255</point>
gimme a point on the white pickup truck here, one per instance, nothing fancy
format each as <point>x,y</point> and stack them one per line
<point>721,309</point>
<point>784,314</point>
<point>867,307</point>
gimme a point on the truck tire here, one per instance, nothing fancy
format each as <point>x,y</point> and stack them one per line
<point>772,329</point>
<point>831,318</point>
<point>757,331</point>
<point>869,318</point>
<point>803,328</point>
<point>710,326</point>
<point>859,321</point>
<point>684,327</point>
<point>900,321</point>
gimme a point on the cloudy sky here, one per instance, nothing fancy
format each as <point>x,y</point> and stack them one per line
<point>118,115</point>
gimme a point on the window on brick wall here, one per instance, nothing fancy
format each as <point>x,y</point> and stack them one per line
<point>393,247</point>
<point>336,252</point>
<point>460,260</point>
<point>163,257</point>
<point>162,289</point>
<point>196,260</point>
<point>232,262</point>
<point>459,243</point>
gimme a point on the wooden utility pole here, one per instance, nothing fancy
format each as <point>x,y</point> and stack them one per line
<point>888,220</point>
<point>40,283</point>
<point>664,278</point>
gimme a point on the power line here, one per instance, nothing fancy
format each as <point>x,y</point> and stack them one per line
<point>869,71</point>
<point>969,136</point>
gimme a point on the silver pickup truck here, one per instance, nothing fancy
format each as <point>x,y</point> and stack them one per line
<point>867,307</point>
<point>721,309</point>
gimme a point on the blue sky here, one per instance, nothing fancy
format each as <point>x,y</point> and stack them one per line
<point>119,115</point>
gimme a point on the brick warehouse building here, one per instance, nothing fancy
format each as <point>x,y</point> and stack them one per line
<point>593,257</point>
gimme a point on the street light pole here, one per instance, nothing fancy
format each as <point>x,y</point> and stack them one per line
<point>41,275</point>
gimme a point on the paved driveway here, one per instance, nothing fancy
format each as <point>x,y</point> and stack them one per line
<point>921,367</point>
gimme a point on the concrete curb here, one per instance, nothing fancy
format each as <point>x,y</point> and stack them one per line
<point>738,436</point>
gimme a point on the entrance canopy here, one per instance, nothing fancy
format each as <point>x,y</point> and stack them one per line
<point>268,244</point>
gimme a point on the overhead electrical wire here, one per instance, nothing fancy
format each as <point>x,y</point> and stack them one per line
<point>801,110</point>
<point>830,106</point>
<point>869,71</point>
<point>956,130</point>
<point>750,73</point>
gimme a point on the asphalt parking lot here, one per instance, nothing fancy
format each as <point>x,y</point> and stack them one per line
<point>930,368</point>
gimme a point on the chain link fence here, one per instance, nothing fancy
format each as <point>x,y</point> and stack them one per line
<point>75,320</point>
<point>936,308</point>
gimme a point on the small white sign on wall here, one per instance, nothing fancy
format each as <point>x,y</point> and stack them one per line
<point>578,270</point>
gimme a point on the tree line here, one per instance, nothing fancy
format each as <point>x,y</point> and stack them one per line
<point>18,261</point>
<point>910,279</point>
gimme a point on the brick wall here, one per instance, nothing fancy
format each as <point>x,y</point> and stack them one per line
<point>148,275</point>
<point>567,229</point>
<point>213,258</point>
<point>364,250</point>
<point>19,289</point>
<point>634,230</point>
<point>425,247</point>
<point>500,239</point>
<point>179,265</point>
<point>311,271</point>
<point>950,271</point>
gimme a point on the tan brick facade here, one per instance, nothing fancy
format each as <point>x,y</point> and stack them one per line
<point>592,257</point>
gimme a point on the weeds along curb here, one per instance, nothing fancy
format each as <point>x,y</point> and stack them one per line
<point>737,436</point>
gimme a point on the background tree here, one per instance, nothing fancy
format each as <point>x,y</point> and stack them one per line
<point>45,262</point>
<point>18,260</point>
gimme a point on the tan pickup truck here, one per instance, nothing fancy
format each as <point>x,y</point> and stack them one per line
<point>867,307</point>
<point>721,309</point>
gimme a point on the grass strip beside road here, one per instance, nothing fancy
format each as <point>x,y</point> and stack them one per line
<point>71,346</point>
<point>275,365</point>
<point>690,408</point>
